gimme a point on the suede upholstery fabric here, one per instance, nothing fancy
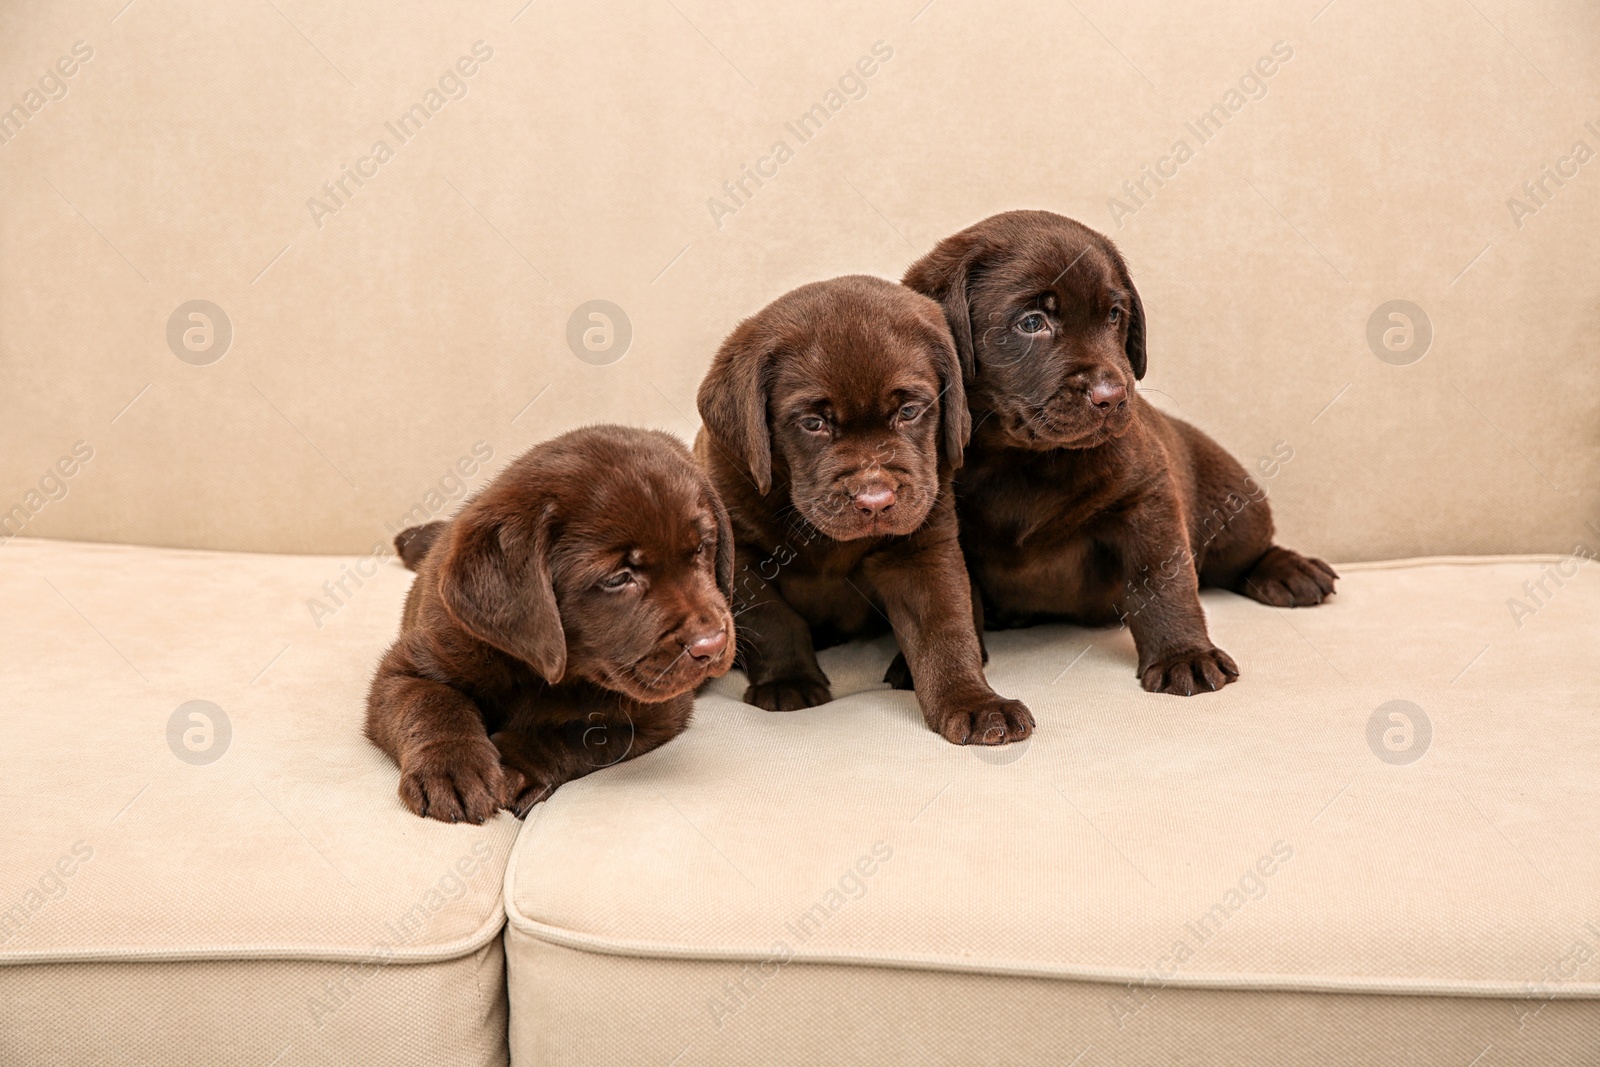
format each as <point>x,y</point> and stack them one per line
<point>160,910</point>
<point>860,1015</point>
<point>1147,871</point>
<point>378,337</point>
<point>387,343</point>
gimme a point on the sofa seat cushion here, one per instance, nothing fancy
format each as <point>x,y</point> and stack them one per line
<point>265,831</point>
<point>1397,799</point>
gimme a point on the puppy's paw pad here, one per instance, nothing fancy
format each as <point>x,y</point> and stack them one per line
<point>899,673</point>
<point>1284,578</point>
<point>454,783</point>
<point>991,721</point>
<point>1184,674</point>
<point>788,694</point>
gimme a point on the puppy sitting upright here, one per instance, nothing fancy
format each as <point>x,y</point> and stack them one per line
<point>558,624</point>
<point>834,419</point>
<point>1081,501</point>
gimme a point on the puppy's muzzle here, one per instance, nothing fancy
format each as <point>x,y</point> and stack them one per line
<point>869,503</point>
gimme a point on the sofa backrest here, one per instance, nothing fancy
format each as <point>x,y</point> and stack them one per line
<point>285,277</point>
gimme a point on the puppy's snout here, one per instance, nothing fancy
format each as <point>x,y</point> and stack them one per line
<point>1108,394</point>
<point>708,646</point>
<point>874,500</point>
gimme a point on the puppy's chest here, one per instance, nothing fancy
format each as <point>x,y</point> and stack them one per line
<point>827,586</point>
<point>1028,511</point>
<point>848,606</point>
<point>1031,542</point>
<point>1074,579</point>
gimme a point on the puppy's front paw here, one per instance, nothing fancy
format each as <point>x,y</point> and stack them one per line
<point>991,720</point>
<point>523,792</point>
<point>1286,579</point>
<point>1198,670</point>
<point>899,673</point>
<point>454,781</point>
<point>788,694</point>
<point>529,779</point>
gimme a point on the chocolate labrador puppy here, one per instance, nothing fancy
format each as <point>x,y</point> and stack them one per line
<point>834,419</point>
<point>558,624</point>
<point>1079,500</point>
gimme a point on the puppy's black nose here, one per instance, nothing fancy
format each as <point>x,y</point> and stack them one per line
<point>1106,395</point>
<point>872,501</point>
<point>709,646</point>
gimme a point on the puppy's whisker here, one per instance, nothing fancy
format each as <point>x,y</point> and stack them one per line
<point>669,666</point>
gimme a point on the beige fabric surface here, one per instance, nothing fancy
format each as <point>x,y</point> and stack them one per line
<point>566,1011</point>
<point>292,843</point>
<point>213,892</point>
<point>374,344</point>
<point>282,1012</point>
<point>1253,839</point>
<point>290,850</point>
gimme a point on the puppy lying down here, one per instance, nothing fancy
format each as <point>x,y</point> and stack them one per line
<point>559,624</point>
<point>834,419</point>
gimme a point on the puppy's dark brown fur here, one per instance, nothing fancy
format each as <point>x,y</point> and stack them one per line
<point>1079,500</point>
<point>833,421</point>
<point>558,624</point>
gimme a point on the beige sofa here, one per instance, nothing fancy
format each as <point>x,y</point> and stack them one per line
<point>1373,255</point>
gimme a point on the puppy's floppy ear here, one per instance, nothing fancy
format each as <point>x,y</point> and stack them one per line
<point>724,540</point>
<point>495,582</point>
<point>733,399</point>
<point>955,419</point>
<point>1135,348</point>
<point>945,274</point>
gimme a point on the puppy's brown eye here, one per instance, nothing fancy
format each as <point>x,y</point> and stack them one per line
<point>812,424</point>
<point>619,580</point>
<point>701,549</point>
<point>1116,315</point>
<point>1033,323</point>
<point>910,412</point>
